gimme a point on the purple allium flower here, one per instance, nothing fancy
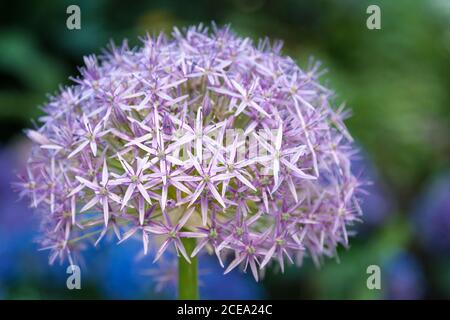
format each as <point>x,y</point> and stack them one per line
<point>375,200</point>
<point>432,216</point>
<point>203,135</point>
<point>404,278</point>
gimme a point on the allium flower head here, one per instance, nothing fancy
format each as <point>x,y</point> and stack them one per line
<point>201,135</point>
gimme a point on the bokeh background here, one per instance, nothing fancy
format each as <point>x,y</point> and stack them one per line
<point>396,80</point>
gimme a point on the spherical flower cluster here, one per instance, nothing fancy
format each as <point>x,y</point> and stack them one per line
<point>201,135</point>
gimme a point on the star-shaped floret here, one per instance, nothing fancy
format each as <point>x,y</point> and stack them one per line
<point>278,155</point>
<point>173,233</point>
<point>102,192</point>
<point>133,178</point>
<point>89,136</point>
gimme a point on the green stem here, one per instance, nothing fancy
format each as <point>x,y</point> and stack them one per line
<point>187,273</point>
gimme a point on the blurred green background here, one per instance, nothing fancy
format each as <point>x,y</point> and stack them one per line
<point>396,80</point>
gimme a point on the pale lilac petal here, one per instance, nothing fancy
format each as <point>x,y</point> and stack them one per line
<point>128,194</point>
<point>237,261</point>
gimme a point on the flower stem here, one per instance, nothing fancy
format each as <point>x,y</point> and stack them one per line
<point>187,273</point>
